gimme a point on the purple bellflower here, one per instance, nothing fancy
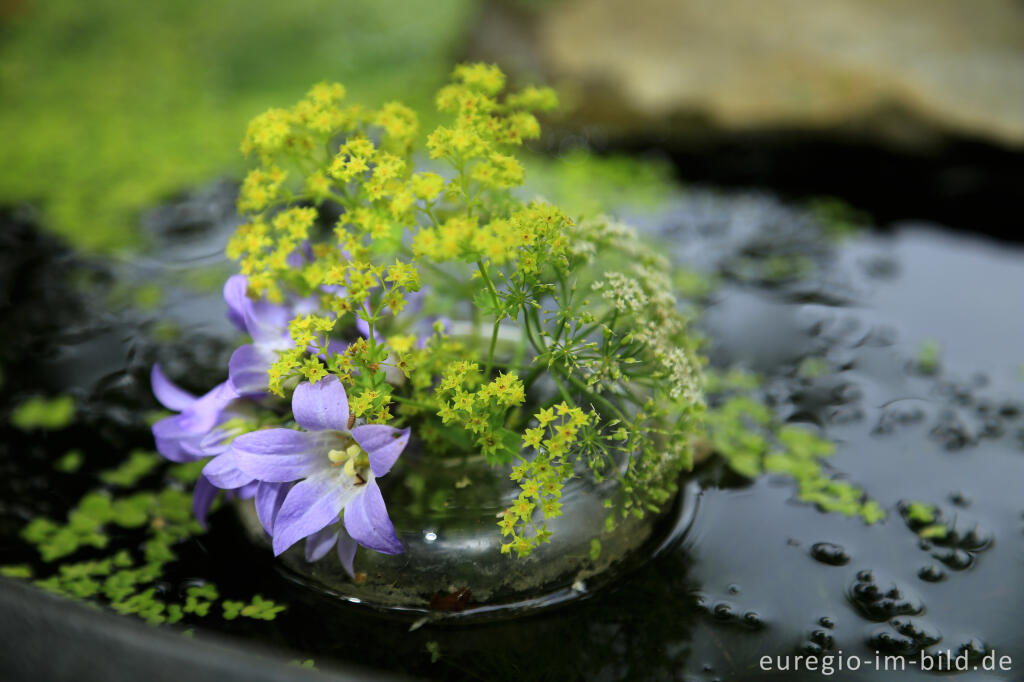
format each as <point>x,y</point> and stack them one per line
<point>267,324</point>
<point>336,467</point>
<point>200,430</point>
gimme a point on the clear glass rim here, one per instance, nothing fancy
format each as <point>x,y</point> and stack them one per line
<point>670,528</point>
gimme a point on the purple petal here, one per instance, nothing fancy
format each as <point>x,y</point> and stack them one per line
<point>321,406</point>
<point>300,256</point>
<point>170,395</point>
<point>382,443</point>
<point>247,369</point>
<point>204,413</point>
<point>363,327</point>
<point>346,550</point>
<point>310,506</point>
<point>174,442</point>
<point>367,521</point>
<point>269,498</point>
<point>223,472</point>
<point>217,441</point>
<point>247,491</point>
<point>202,499</point>
<point>192,447</point>
<point>306,305</point>
<point>320,543</point>
<point>267,323</point>
<point>280,455</point>
<point>414,300</point>
<point>336,289</point>
<point>336,346</point>
<point>426,328</point>
<point>235,296</point>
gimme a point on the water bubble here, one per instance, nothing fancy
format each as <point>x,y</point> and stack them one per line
<point>827,622</point>
<point>830,553</point>
<point>812,649</point>
<point>822,638</point>
<point>885,640</point>
<point>724,611</point>
<point>956,559</point>
<point>991,427</point>
<point>931,573</point>
<point>898,415</point>
<point>753,619</point>
<point>976,539</point>
<point>959,499</point>
<point>974,648</point>
<point>1009,410</point>
<point>953,432</point>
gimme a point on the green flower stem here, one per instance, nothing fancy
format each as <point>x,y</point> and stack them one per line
<point>430,214</point>
<point>536,371</point>
<point>490,353</point>
<point>413,403</point>
<point>497,320</point>
<point>613,314</point>
<point>561,389</point>
<point>565,305</point>
<point>520,353</point>
<point>537,346</point>
<point>490,285</point>
<point>599,399</point>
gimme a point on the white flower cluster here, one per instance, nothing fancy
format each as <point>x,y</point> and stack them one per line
<point>683,376</point>
<point>622,291</point>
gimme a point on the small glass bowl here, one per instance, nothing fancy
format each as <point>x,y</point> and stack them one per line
<point>453,567</point>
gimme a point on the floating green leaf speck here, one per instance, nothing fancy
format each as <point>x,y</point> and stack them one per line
<point>51,414</point>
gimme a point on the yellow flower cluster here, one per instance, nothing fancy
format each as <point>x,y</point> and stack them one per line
<point>542,478</point>
<point>297,130</point>
<point>481,411</point>
<point>528,237</point>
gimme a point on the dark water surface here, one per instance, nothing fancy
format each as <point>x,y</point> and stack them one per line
<point>758,574</point>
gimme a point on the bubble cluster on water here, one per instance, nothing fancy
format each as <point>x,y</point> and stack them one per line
<point>878,599</point>
<point>904,635</point>
<point>819,641</point>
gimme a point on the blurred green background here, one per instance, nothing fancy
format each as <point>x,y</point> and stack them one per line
<point>110,105</point>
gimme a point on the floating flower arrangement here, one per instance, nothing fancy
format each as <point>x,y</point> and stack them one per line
<point>405,304</point>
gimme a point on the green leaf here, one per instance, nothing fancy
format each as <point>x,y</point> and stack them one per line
<point>262,609</point>
<point>484,302</point>
<point>138,464</point>
<point>16,571</point>
<point>505,447</point>
<point>232,609</point>
<point>70,462</point>
<point>41,413</point>
<point>934,531</point>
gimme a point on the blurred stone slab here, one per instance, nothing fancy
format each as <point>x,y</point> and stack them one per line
<point>909,71</point>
